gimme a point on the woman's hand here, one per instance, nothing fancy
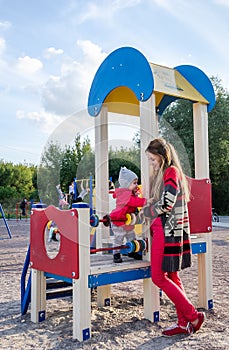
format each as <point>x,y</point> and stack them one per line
<point>150,201</point>
<point>142,218</point>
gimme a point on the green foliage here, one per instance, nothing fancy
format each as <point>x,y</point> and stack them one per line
<point>15,183</point>
<point>61,166</point>
<point>176,126</point>
<point>124,157</point>
<point>219,149</point>
<point>77,162</point>
<point>49,173</point>
<point>179,117</point>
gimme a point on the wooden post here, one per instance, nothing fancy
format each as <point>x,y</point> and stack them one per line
<point>101,174</point>
<point>102,189</point>
<point>148,131</point>
<point>38,296</point>
<point>81,296</point>
<point>200,126</point>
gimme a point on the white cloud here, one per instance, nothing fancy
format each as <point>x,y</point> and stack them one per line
<point>120,4</point>
<point>28,65</point>
<point>2,45</point>
<point>93,54</point>
<point>68,93</point>
<point>60,95</point>
<point>52,51</point>
<point>100,10</point>
<point>47,122</point>
<point>5,25</point>
<point>222,2</point>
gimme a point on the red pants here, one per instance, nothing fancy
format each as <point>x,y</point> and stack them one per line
<point>170,283</point>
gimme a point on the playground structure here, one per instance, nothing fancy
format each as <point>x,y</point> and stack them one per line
<point>125,83</point>
<point>5,222</point>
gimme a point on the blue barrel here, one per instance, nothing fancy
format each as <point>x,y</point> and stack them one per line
<point>38,206</point>
<point>80,205</point>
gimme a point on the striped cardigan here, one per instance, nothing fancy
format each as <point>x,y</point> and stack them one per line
<point>173,212</point>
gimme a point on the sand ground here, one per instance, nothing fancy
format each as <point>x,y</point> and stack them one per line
<point>120,326</point>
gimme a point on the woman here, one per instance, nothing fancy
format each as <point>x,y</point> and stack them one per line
<point>170,250</point>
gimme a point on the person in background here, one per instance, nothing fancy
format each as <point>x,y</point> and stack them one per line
<point>62,198</point>
<point>71,193</point>
<point>170,245</point>
<point>127,202</point>
<point>83,193</point>
<point>53,230</point>
<point>23,206</point>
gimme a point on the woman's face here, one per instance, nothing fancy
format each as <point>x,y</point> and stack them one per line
<point>154,160</point>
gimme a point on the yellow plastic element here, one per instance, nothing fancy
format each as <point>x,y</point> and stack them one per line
<point>122,100</point>
<point>138,229</point>
<point>128,219</point>
<point>137,245</point>
<point>49,224</point>
<point>92,231</point>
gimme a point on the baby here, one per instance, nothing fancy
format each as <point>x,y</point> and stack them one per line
<point>127,202</point>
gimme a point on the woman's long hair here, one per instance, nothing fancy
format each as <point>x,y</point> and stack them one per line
<point>168,156</point>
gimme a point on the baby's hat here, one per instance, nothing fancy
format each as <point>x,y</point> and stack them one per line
<point>126,176</point>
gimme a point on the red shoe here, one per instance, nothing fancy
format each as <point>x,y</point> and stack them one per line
<point>201,319</point>
<point>176,330</point>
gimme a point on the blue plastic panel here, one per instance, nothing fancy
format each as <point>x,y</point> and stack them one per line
<point>125,66</point>
<point>199,80</point>
<point>118,277</point>
<point>198,248</point>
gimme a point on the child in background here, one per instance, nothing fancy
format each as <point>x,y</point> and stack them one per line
<point>53,230</point>
<point>62,198</point>
<point>83,193</point>
<point>127,202</point>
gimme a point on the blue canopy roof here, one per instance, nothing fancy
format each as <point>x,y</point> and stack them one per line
<point>127,76</point>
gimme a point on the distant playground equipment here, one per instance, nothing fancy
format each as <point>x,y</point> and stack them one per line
<point>215,216</point>
<point>27,209</point>
<point>66,199</point>
<point>124,83</point>
<point>23,209</point>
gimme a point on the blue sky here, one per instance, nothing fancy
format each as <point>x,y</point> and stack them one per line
<point>50,51</point>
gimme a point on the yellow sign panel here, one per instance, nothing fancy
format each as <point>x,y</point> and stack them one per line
<point>168,81</point>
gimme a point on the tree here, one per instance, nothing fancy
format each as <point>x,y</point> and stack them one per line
<point>48,175</point>
<point>219,149</point>
<point>15,183</point>
<point>124,157</point>
<point>61,166</point>
<point>78,162</point>
<point>176,126</point>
